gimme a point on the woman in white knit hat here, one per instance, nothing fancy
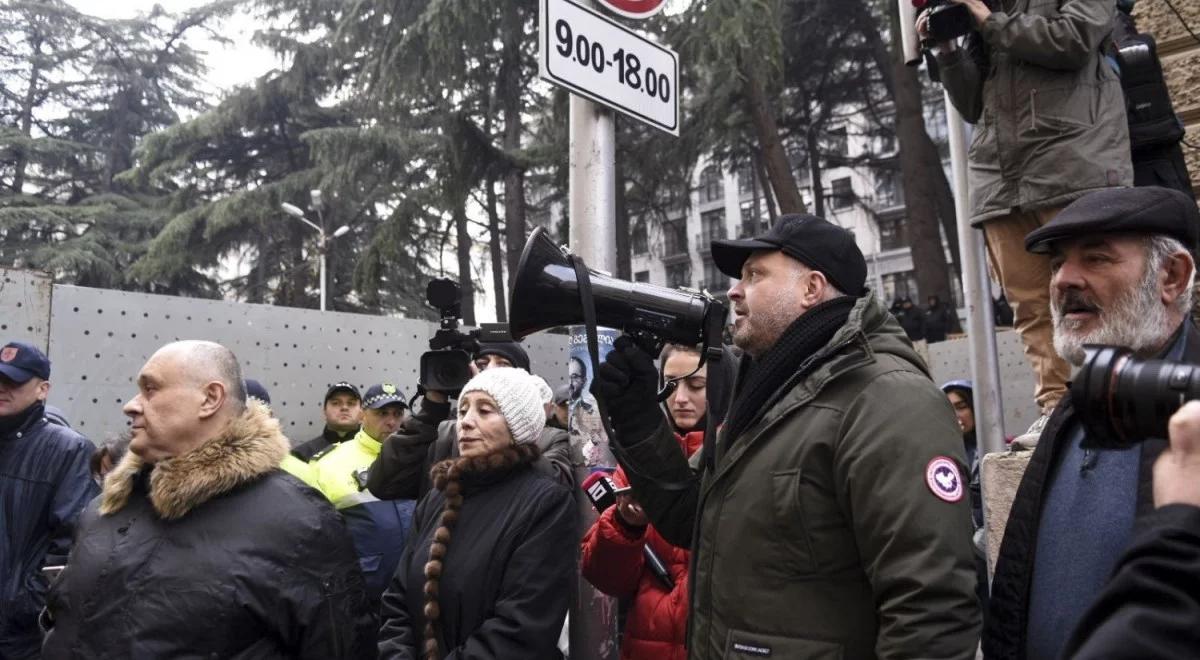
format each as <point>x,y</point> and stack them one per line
<point>488,568</point>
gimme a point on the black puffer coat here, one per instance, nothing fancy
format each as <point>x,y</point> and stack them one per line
<point>214,553</point>
<point>44,485</point>
<point>505,579</point>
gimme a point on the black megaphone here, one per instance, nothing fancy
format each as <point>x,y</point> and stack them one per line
<point>545,295</point>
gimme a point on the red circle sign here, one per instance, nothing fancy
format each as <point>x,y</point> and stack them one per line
<point>634,8</point>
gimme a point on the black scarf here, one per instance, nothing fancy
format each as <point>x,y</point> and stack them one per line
<point>786,359</point>
<point>12,423</point>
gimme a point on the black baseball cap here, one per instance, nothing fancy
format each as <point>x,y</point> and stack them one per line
<point>1142,210</point>
<point>382,395</point>
<point>342,387</point>
<point>813,241</point>
<point>20,362</point>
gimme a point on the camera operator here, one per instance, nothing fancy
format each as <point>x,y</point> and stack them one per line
<point>832,518</point>
<point>1050,126</point>
<point>1152,603</point>
<point>1122,276</point>
<point>402,469</point>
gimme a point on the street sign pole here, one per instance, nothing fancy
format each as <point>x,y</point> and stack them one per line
<point>593,236</point>
<point>607,67</point>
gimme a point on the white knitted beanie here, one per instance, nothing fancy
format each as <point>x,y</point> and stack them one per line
<point>519,397</point>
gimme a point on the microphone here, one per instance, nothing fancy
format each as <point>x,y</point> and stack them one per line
<point>601,491</point>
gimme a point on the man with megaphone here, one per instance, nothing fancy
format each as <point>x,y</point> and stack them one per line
<point>831,519</point>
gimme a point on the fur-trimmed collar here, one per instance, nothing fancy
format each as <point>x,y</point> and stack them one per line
<point>250,446</point>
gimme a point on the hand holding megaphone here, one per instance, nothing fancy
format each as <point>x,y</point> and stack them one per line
<point>627,383</point>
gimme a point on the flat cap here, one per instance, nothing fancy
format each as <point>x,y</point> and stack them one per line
<point>1142,210</point>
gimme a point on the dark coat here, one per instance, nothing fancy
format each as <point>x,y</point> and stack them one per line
<point>306,451</point>
<point>912,320</point>
<point>814,534</point>
<point>428,437</point>
<point>214,553</point>
<point>940,320</point>
<point>506,578</point>
<point>1151,607</point>
<point>1004,636</point>
<point>44,485</point>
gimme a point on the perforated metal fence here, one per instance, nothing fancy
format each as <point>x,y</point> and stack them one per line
<point>950,360</point>
<point>98,339</point>
<point>24,307</point>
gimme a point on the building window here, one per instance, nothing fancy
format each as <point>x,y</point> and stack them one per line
<point>898,286</point>
<point>888,191</point>
<point>677,275</point>
<point>745,177</point>
<point>710,184</point>
<point>843,193</point>
<point>893,233</point>
<point>712,225</point>
<point>639,238</point>
<point>675,237</point>
<point>752,223</point>
<point>839,144</point>
<point>641,276</point>
<point>714,280</point>
<point>885,141</point>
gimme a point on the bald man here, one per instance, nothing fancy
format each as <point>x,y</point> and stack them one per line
<point>198,545</point>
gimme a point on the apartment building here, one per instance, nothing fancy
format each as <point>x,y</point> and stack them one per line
<point>861,194</point>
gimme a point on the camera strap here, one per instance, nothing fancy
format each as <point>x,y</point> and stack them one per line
<point>588,303</point>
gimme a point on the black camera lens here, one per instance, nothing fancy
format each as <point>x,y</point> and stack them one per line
<point>1123,400</point>
<point>445,370</point>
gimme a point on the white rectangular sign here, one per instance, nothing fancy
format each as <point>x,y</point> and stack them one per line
<point>593,56</point>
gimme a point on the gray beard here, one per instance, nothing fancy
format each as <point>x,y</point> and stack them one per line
<point>1137,320</point>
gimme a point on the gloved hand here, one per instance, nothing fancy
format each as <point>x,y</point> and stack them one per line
<point>627,383</point>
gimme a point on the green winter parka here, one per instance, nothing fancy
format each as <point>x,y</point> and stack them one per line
<point>837,525</point>
<point>1049,113</point>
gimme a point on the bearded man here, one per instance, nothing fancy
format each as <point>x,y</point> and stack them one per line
<point>1122,269</point>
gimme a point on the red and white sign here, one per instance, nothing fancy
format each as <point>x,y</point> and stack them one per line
<point>634,8</point>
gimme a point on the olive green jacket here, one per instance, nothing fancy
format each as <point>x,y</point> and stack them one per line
<point>815,533</point>
<point>1049,113</point>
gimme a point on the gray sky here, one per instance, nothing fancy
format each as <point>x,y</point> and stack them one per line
<point>229,65</point>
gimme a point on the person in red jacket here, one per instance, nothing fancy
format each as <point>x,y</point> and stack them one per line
<point>612,559</point>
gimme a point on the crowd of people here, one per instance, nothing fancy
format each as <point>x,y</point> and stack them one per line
<point>812,493</point>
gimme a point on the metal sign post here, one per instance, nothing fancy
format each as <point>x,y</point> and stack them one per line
<point>977,292</point>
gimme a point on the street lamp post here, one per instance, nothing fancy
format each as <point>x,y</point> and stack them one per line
<point>322,239</point>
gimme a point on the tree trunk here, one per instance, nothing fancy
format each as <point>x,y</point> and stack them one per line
<point>497,252</point>
<point>815,170</point>
<point>760,171</point>
<point>31,92</point>
<point>918,164</point>
<point>624,248</point>
<point>463,240</point>
<point>510,105</point>
<point>926,152</point>
<point>778,170</point>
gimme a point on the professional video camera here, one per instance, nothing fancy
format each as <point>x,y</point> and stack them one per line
<point>446,366</point>
<point>946,20</point>
<point>1123,400</point>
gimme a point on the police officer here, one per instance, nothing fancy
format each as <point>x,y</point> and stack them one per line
<point>379,527</point>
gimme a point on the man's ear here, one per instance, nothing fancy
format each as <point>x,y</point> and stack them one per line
<point>1178,273</point>
<point>43,389</point>
<point>815,286</point>
<point>214,399</point>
